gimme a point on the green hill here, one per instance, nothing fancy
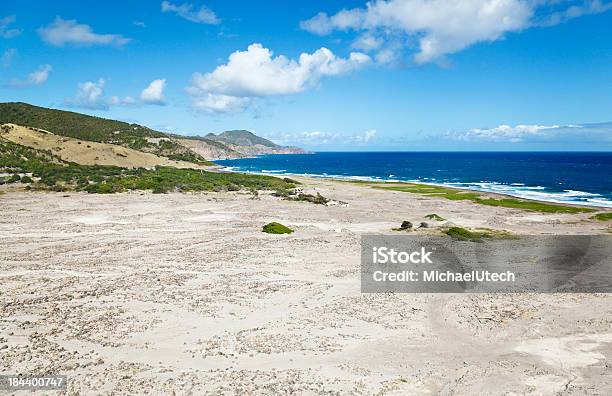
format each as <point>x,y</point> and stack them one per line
<point>85,127</point>
<point>68,123</point>
<point>240,138</point>
<point>228,144</point>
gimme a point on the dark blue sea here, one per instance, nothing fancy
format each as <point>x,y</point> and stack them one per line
<point>578,178</point>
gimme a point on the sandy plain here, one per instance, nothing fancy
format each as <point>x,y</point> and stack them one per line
<point>183,294</point>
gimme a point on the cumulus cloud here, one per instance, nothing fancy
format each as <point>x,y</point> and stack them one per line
<point>573,11</point>
<point>37,77</point>
<point>366,136</point>
<point>512,134</point>
<point>63,32</point>
<point>310,138</point>
<point>40,76</point>
<point>257,73</point>
<point>321,138</point>
<point>442,27</point>
<point>127,101</point>
<point>219,103</point>
<point>154,93</point>
<point>367,42</point>
<point>594,136</point>
<point>203,15</point>
<point>8,56</point>
<point>322,24</point>
<point>5,30</point>
<point>92,95</point>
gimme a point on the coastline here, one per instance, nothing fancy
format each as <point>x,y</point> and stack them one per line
<point>370,180</point>
<point>559,178</point>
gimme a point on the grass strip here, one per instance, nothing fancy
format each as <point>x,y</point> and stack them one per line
<point>607,216</point>
<point>464,195</point>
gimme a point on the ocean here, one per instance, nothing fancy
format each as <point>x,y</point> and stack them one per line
<point>568,177</point>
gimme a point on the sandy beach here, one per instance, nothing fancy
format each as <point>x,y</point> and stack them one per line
<point>177,293</point>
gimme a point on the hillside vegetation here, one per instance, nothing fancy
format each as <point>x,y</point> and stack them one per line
<point>86,152</point>
<point>96,129</point>
<point>80,126</point>
<point>43,170</point>
<point>194,149</point>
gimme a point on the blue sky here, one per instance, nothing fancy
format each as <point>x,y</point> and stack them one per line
<point>351,75</point>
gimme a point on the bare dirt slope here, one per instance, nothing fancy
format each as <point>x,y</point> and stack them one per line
<point>86,152</point>
<point>210,150</point>
<point>213,150</point>
<point>183,294</point>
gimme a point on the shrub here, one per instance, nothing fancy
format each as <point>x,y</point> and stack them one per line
<point>160,189</point>
<point>315,199</point>
<point>284,193</point>
<point>49,181</point>
<point>58,188</point>
<point>100,188</point>
<point>463,234</point>
<point>276,228</point>
<point>14,179</point>
<point>26,179</point>
<point>603,216</point>
<point>405,226</point>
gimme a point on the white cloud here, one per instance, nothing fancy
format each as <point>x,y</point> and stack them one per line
<point>507,133</point>
<point>312,137</point>
<point>366,136</point>
<point>61,32</point>
<point>256,73</point>
<point>140,24</point>
<point>8,56</point>
<point>319,24</point>
<point>442,27</point>
<point>321,138</point>
<point>585,137</point>
<point>367,42</point>
<point>154,93</point>
<point>574,11</point>
<point>186,11</point>
<point>219,103</point>
<point>322,24</point>
<point>127,101</point>
<point>387,56</point>
<point>90,95</point>
<point>5,31</point>
<point>37,77</point>
<point>41,75</point>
